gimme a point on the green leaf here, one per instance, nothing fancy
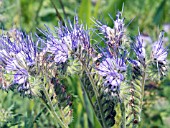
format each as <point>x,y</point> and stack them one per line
<point>96,9</point>
<point>159,13</point>
<point>85,11</point>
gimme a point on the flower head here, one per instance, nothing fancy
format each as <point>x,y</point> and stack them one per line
<point>21,76</point>
<point>119,23</point>
<point>79,36</point>
<point>57,48</point>
<point>113,35</point>
<point>111,69</point>
<point>17,55</point>
<point>159,53</point>
<point>68,39</point>
<point>140,50</point>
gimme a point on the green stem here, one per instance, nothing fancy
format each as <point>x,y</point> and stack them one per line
<point>87,95</point>
<point>62,6</point>
<point>122,107</point>
<point>57,13</point>
<point>52,109</point>
<point>143,88</point>
<point>39,114</point>
<point>96,93</point>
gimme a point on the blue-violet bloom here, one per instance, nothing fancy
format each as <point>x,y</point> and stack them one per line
<point>17,55</point>
<point>111,69</point>
<point>115,34</point>
<point>140,50</point>
<point>68,39</point>
<point>159,53</point>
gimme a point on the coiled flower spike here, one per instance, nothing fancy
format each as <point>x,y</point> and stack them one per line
<point>112,68</point>
<point>67,40</point>
<point>140,50</point>
<point>113,35</point>
<point>17,57</point>
<point>159,54</point>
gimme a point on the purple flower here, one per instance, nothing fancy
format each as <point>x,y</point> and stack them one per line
<point>113,35</point>
<point>79,35</point>
<point>111,69</point>
<point>140,50</point>
<point>134,62</point>
<point>17,55</point>
<point>21,77</point>
<point>68,40</point>
<point>159,53</point>
<point>119,23</point>
<point>120,64</point>
<point>58,48</point>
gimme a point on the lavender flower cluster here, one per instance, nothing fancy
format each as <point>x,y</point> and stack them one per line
<point>17,56</point>
<point>114,65</point>
<point>20,55</point>
<point>68,40</point>
<point>37,67</point>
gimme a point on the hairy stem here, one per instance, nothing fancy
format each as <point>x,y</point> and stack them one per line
<point>87,95</point>
<point>57,118</point>
<point>96,93</point>
<point>122,107</point>
<point>143,89</point>
<point>143,85</point>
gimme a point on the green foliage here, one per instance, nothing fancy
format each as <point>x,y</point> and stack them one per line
<point>85,7</point>
<point>159,13</point>
<point>133,98</point>
<point>8,118</point>
<point>99,96</point>
<point>60,100</point>
<point>16,111</point>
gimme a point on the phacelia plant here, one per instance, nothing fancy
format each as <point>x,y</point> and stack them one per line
<point>113,76</point>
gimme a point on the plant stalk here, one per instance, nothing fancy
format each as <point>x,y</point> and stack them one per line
<point>96,93</point>
<point>122,107</point>
<point>52,109</point>
<point>57,13</point>
<point>143,89</point>
<point>143,85</point>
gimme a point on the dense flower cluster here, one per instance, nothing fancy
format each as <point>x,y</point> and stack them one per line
<point>159,53</point>
<point>140,50</point>
<point>68,40</point>
<point>111,68</point>
<point>113,64</point>
<point>20,57</point>
<point>17,56</point>
<point>106,72</point>
<point>113,35</point>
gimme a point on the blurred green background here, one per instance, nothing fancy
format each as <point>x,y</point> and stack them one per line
<point>150,16</point>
